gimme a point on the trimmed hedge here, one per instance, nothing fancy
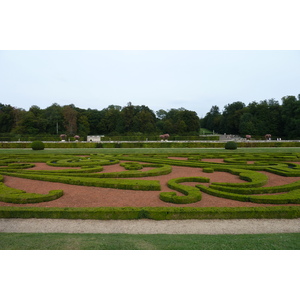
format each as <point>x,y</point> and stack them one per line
<point>12,195</point>
<point>169,144</point>
<point>292,197</point>
<point>38,145</point>
<point>154,213</point>
<point>259,190</point>
<point>115,183</point>
<point>131,165</point>
<point>231,145</point>
<point>255,179</point>
<point>80,162</point>
<point>191,193</point>
<point>91,172</point>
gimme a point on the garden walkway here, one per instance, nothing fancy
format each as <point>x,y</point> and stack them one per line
<point>250,226</point>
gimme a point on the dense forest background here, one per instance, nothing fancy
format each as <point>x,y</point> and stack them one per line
<point>256,119</point>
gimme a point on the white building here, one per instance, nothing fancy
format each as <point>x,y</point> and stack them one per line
<point>94,138</point>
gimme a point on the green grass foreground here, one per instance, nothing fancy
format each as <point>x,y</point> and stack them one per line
<point>77,241</point>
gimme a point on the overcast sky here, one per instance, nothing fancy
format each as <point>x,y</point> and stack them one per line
<point>195,80</point>
<point>160,53</point>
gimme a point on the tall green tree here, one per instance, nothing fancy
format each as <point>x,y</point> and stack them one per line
<point>231,117</point>
<point>291,116</point>
<point>54,119</point>
<point>212,120</point>
<point>7,118</point>
<point>70,119</point>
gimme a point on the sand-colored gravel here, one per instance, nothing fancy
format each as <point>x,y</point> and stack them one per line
<point>251,226</point>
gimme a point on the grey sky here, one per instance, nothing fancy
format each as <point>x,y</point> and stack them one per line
<point>195,79</point>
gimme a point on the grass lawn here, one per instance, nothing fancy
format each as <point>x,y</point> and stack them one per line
<point>66,241</point>
<point>150,150</point>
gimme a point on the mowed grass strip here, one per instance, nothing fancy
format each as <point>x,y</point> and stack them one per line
<point>134,151</point>
<point>77,241</point>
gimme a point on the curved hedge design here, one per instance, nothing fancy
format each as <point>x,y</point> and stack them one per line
<point>191,193</point>
<point>286,198</point>
<point>90,173</point>
<point>84,161</point>
<point>11,195</point>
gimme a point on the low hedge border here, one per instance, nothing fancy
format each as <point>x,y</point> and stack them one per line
<point>255,179</point>
<point>292,197</point>
<point>17,166</point>
<point>192,194</point>
<point>76,162</point>
<point>154,213</point>
<point>259,190</point>
<point>12,195</point>
<point>285,171</point>
<point>115,183</point>
<point>78,172</point>
<point>169,144</point>
<point>132,166</point>
<point>89,173</point>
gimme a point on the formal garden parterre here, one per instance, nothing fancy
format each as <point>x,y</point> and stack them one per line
<point>156,186</point>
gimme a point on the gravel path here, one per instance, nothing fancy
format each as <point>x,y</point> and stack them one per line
<point>252,226</point>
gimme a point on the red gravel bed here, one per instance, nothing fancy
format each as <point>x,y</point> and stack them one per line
<point>82,196</point>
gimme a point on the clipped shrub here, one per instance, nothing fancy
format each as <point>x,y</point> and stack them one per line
<point>231,145</point>
<point>115,183</point>
<point>155,213</point>
<point>191,194</point>
<point>37,145</point>
<point>291,197</point>
<point>12,195</point>
<point>131,166</point>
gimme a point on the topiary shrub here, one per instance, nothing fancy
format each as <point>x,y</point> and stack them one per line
<point>231,145</point>
<point>37,145</point>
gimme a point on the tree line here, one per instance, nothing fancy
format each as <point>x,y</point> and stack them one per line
<point>257,118</point>
<point>113,120</point>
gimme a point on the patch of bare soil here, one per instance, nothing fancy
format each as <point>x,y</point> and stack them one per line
<point>82,196</point>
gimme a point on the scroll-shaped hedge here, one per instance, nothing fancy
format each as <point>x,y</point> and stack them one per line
<point>127,184</point>
<point>132,165</point>
<point>79,162</point>
<point>67,172</point>
<point>254,179</point>
<point>191,193</point>
<point>11,195</point>
<point>259,190</point>
<point>289,170</point>
<point>292,197</point>
<point>91,172</point>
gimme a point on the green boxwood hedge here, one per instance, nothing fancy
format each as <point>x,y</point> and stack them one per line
<point>154,213</point>
<point>254,179</point>
<point>191,193</point>
<point>38,145</point>
<point>292,197</point>
<point>127,184</point>
<point>12,195</point>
